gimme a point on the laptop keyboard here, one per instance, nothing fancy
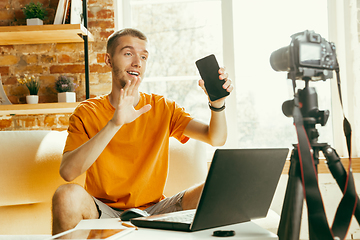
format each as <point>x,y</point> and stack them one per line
<point>183,218</point>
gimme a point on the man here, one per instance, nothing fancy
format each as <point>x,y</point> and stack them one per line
<point>121,141</point>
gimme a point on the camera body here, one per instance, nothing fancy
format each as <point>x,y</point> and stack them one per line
<point>308,57</point>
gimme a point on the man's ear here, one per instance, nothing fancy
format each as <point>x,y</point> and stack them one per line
<point>108,60</point>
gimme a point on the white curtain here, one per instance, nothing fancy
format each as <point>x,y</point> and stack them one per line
<point>344,32</point>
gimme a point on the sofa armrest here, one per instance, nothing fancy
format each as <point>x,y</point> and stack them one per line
<point>29,176</point>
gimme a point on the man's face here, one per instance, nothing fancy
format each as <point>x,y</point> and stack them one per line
<point>129,60</point>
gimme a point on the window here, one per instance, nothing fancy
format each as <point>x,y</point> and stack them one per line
<point>261,27</point>
<point>182,31</point>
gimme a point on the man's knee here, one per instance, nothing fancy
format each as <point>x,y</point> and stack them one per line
<point>70,204</point>
<point>67,193</point>
<point>192,197</point>
<point>73,199</point>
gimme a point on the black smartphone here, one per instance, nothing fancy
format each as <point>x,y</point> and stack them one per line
<point>209,71</point>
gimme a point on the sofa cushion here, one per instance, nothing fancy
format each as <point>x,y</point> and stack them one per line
<point>187,165</point>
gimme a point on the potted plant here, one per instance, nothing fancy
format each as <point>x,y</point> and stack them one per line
<point>33,84</point>
<point>65,87</point>
<point>34,13</point>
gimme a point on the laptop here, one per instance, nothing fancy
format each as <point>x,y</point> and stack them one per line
<point>239,187</point>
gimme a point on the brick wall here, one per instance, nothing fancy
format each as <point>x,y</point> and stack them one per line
<point>49,61</point>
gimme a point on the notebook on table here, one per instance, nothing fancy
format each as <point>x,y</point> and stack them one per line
<point>239,187</point>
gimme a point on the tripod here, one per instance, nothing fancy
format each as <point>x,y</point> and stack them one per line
<point>289,226</point>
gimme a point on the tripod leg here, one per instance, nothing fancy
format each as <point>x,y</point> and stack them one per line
<point>338,172</point>
<point>290,221</point>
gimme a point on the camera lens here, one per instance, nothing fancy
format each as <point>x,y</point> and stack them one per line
<point>288,108</point>
<point>279,59</point>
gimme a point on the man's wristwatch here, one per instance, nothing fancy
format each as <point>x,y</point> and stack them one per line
<point>216,109</point>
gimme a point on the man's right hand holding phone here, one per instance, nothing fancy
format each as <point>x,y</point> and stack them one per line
<point>223,75</point>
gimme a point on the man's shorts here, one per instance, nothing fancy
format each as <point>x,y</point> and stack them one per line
<point>170,204</point>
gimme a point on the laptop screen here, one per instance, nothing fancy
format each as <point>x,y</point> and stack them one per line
<point>240,186</point>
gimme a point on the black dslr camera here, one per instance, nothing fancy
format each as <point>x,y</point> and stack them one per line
<point>308,57</point>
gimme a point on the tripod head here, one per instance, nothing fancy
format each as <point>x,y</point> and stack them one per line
<point>308,101</point>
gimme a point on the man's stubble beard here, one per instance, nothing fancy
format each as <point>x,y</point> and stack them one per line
<point>117,77</point>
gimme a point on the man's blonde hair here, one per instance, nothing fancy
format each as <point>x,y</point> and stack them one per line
<point>112,40</point>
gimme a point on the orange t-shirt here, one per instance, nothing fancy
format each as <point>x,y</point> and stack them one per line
<point>132,170</point>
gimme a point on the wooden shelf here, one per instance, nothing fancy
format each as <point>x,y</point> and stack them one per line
<point>41,108</point>
<point>61,33</point>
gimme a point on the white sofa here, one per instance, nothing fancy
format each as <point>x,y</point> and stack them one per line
<point>29,175</point>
